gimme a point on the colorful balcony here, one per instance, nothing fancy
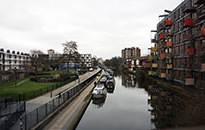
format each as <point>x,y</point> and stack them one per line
<point>154,48</point>
<point>189,81</point>
<point>168,22</point>
<point>162,36</point>
<point>154,65</point>
<point>163,75</point>
<point>162,56</point>
<point>189,22</point>
<point>169,66</point>
<point>203,67</point>
<point>154,73</point>
<point>149,57</point>
<point>169,44</point>
<point>150,72</point>
<point>203,31</point>
<point>190,51</point>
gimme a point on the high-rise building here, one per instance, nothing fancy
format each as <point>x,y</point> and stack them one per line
<point>131,53</point>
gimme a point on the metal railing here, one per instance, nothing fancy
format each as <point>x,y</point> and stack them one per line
<point>32,118</point>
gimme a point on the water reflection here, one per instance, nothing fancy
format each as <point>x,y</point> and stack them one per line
<point>135,105</point>
<point>111,90</point>
<point>172,110</point>
<point>99,102</point>
<point>129,80</point>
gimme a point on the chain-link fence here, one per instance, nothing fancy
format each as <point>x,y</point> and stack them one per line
<point>37,115</point>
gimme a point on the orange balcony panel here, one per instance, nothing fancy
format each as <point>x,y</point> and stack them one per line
<point>189,22</point>
<point>169,66</point>
<point>163,75</point>
<point>203,31</point>
<point>162,55</point>
<point>190,51</point>
<point>169,44</point>
<point>168,22</point>
<point>189,81</point>
<point>162,36</point>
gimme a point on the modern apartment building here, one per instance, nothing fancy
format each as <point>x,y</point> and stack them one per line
<point>179,44</point>
<point>10,60</point>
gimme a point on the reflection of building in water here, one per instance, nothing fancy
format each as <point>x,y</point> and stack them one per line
<point>172,110</point>
<point>99,102</point>
<point>129,80</point>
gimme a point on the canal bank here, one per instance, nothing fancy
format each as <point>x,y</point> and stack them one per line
<point>47,105</point>
<point>68,118</point>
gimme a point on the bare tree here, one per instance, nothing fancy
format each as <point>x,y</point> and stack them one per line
<point>36,61</point>
<point>70,53</point>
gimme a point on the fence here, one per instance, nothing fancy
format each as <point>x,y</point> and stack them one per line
<point>10,114</point>
<point>33,94</point>
<point>37,115</point>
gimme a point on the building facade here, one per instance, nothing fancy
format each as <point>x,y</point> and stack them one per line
<point>131,53</point>
<point>179,44</point>
<point>130,56</point>
<point>10,60</point>
<point>86,60</point>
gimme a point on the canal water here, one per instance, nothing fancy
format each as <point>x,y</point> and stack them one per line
<point>125,107</point>
<point>145,107</point>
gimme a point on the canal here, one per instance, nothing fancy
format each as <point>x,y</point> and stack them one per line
<point>130,106</point>
<point>126,107</point>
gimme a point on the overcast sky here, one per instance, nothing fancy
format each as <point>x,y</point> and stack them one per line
<point>100,27</point>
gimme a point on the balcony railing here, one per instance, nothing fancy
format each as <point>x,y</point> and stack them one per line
<point>162,36</point>
<point>169,44</point>
<point>163,75</point>
<point>190,51</point>
<point>162,56</point>
<point>189,22</point>
<point>154,48</point>
<point>189,81</point>
<point>154,65</point>
<point>203,31</point>
<point>169,66</point>
<point>168,22</point>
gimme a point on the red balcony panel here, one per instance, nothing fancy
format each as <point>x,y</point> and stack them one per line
<point>189,22</point>
<point>203,31</point>
<point>190,51</point>
<point>168,22</point>
<point>162,55</point>
<point>162,36</point>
